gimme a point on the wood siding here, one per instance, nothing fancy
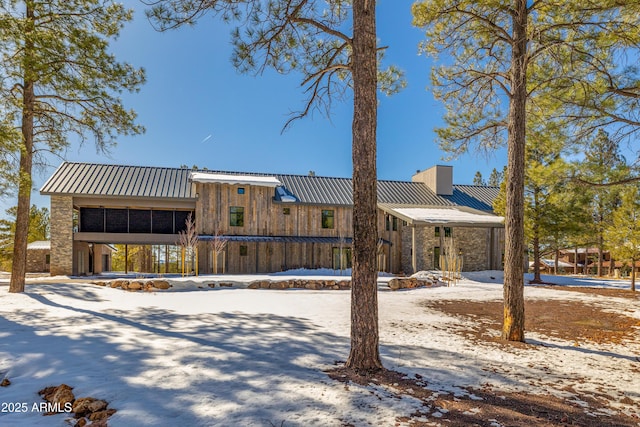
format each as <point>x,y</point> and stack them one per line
<point>263,216</point>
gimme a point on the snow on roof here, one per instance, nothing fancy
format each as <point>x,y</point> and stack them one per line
<point>551,263</point>
<point>39,244</point>
<point>265,181</point>
<point>448,216</point>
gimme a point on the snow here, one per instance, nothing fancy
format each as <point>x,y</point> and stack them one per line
<point>266,181</point>
<point>201,356</point>
<point>448,215</point>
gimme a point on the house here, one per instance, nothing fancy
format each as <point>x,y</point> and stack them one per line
<point>585,260</point>
<point>38,256</point>
<point>270,222</point>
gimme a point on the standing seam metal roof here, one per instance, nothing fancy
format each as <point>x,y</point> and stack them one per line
<point>92,179</point>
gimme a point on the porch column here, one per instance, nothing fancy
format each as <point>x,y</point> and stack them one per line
<point>414,255</point>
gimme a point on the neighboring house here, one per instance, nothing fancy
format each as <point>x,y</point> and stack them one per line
<point>38,256</point>
<point>581,257</point>
<point>271,222</point>
<point>549,266</point>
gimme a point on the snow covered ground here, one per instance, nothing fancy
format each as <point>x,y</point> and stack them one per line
<point>200,356</point>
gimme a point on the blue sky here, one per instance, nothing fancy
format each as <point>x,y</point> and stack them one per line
<point>193,91</point>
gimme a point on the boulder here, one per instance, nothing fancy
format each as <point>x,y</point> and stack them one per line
<point>5,382</point>
<point>60,395</point>
<point>118,283</point>
<point>345,284</point>
<point>88,405</point>
<point>394,284</point>
<point>279,285</point>
<point>135,285</point>
<point>226,285</point>
<point>161,284</point>
<point>101,415</point>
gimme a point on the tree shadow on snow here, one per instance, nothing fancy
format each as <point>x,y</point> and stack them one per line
<point>157,367</point>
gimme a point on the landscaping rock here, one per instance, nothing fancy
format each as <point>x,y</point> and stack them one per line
<point>118,283</point>
<point>136,286</point>
<point>344,284</point>
<point>60,395</point>
<point>5,383</point>
<point>101,415</point>
<point>161,284</point>
<point>279,285</point>
<point>87,405</point>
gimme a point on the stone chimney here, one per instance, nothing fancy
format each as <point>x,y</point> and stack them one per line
<point>438,178</point>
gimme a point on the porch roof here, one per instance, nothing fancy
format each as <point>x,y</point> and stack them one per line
<point>457,216</point>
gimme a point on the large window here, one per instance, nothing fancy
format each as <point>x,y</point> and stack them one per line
<point>123,220</point>
<point>236,216</point>
<point>327,219</point>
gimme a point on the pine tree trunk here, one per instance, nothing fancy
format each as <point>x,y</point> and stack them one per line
<point>364,355</point>
<point>19,267</point>
<point>536,237</point>
<point>633,275</point>
<point>600,246</point>
<point>513,324</point>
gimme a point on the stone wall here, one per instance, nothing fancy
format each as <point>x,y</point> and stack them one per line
<point>475,244</point>
<point>37,260</point>
<point>61,235</point>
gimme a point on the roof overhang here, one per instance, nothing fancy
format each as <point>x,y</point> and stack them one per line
<point>218,178</point>
<point>451,216</point>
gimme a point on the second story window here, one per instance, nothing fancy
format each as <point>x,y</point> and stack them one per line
<point>236,216</point>
<point>327,219</point>
<point>240,190</point>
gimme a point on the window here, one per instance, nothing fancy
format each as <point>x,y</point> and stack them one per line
<point>387,226</point>
<point>236,216</point>
<point>240,190</point>
<point>437,232</point>
<point>286,211</point>
<point>395,224</point>
<point>47,259</point>
<point>436,258</point>
<point>327,219</point>
<point>243,250</point>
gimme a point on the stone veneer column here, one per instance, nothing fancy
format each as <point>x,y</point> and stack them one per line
<point>61,235</point>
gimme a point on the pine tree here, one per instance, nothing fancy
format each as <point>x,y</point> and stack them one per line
<point>308,36</point>
<point>495,178</point>
<point>503,61</point>
<point>602,163</point>
<point>59,81</point>
<point>477,179</point>
<point>623,234</point>
<point>38,230</point>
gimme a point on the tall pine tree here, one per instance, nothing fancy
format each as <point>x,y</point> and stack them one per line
<point>59,81</point>
<point>504,60</point>
<point>309,37</point>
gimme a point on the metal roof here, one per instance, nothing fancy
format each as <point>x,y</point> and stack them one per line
<point>478,197</point>
<point>90,179</point>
